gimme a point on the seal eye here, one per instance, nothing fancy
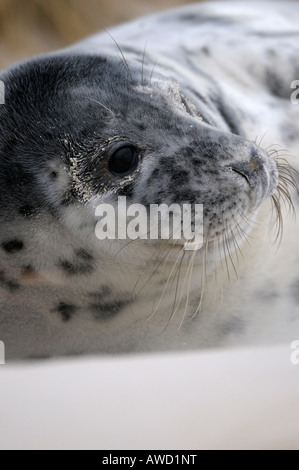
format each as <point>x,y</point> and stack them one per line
<point>123,162</point>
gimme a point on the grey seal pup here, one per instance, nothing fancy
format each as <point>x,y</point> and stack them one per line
<point>195,105</point>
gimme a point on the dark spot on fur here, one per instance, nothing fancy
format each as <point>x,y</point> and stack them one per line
<point>127,190</point>
<point>69,197</point>
<point>168,164</point>
<point>155,174</point>
<point>66,311</point>
<point>76,268</point>
<point>268,295</point>
<point>53,175</point>
<point>266,34</point>
<point>13,246</point>
<point>12,286</point>
<point>206,50</point>
<point>295,291</point>
<point>202,19</point>
<point>107,310</point>
<point>101,294</point>
<point>271,53</point>
<point>189,151</point>
<point>28,269</point>
<point>81,264</point>
<point>144,201</point>
<point>179,178</point>
<point>26,211</point>
<point>275,85</point>
<point>9,285</point>
<point>84,254</point>
<point>28,273</point>
<point>234,326</point>
<point>289,131</point>
<point>188,18</point>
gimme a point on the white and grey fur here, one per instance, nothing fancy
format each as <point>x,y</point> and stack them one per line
<point>206,105</point>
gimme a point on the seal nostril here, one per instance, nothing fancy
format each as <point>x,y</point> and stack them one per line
<point>243,174</point>
<point>249,169</point>
<point>254,164</point>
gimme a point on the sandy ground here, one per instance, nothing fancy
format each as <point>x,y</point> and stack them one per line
<point>29,27</point>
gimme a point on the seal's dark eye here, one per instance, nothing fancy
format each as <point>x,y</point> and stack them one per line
<point>123,162</point>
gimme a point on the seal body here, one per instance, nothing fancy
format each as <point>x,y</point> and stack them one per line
<point>204,114</point>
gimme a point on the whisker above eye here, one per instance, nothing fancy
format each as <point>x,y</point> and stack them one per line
<point>102,105</point>
<point>122,55</point>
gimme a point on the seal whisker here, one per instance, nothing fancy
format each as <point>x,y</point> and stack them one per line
<point>102,105</point>
<point>261,141</point>
<point>225,252</point>
<point>143,62</point>
<point>165,259</point>
<point>191,267</point>
<point>184,282</point>
<point>130,243</point>
<point>287,182</point>
<point>218,283</point>
<point>153,69</point>
<point>155,270</point>
<point>183,286</point>
<point>156,255</point>
<point>244,235</point>
<point>122,55</point>
<point>279,220</point>
<point>203,279</point>
<point>267,149</point>
<point>251,223</point>
<point>155,309</point>
<point>230,253</point>
<point>237,245</point>
<point>174,309</point>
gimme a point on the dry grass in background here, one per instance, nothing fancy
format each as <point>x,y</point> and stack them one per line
<point>29,27</point>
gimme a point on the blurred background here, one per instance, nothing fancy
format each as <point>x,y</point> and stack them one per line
<point>29,27</point>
